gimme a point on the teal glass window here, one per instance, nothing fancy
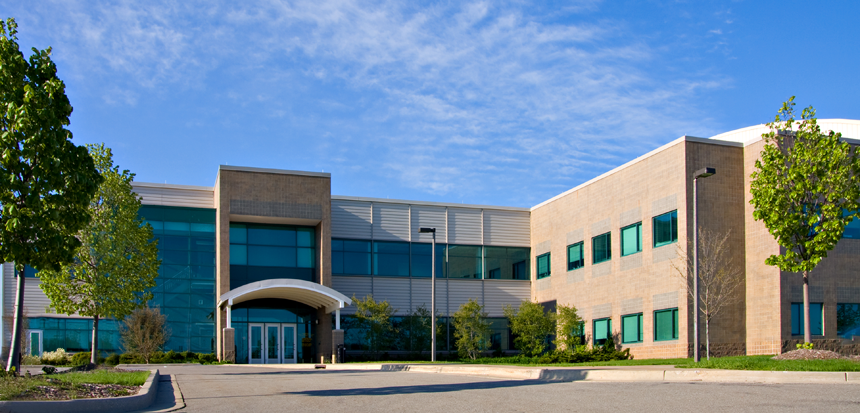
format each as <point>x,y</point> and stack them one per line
<point>665,228</point>
<point>852,229</point>
<point>816,319</point>
<point>543,266</point>
<point>848,320</point>
<point>601,248</point>
<point>666,324</point>
<point>602,329</point>
<point>350,257</point>
<point>391,258</point>
<point>465,261</point>
<point>631,239</point>
<point>575,256</point>
<point>422,260</point>
<point>507,263</point>
<point>631,328</point>
<point>262,252</point>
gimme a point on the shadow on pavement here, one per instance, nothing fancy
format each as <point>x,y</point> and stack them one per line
<point>427,388</point>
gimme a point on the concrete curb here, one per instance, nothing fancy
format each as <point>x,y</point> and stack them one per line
<point>139,401</point>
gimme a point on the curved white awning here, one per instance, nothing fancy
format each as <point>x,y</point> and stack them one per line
<point>312,294</point>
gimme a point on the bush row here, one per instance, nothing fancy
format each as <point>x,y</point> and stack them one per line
<point>62,358</point>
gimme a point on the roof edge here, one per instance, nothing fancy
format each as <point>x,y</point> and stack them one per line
<point>272,171</point>
<point>427,203</point>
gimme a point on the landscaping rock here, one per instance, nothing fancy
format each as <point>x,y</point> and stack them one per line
<point>805,354</point>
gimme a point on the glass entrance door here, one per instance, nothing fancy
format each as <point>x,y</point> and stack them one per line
<point>34,342</point>
<point>290,350</point>
<point>255,344</point>
<point>273,344</point>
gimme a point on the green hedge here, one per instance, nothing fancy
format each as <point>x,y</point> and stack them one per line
<point>162,358</point>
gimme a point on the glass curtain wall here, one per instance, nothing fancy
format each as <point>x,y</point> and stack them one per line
<point>185,287</point>
<point>264,252</point>
<point>507,263</point>
<point>76,335</point>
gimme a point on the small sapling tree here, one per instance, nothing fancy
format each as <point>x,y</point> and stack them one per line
<point>471,329</point>
<point>375,319</point>
<point>532,326</point>
<point>144,332</point>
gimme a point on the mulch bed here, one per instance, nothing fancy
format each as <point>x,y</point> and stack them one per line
<point>805,354</point>
<point>60,390</point>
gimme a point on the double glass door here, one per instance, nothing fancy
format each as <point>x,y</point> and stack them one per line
<point>272,343</point>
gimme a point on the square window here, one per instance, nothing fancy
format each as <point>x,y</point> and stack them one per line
<point>816,319</point>
<point>543,266</point>
<point>631,328</point>
<point>665,229</point>
<point>602,329</point>
<point>666,324</point>
<point>575,256</point>
<point>631,239</point>
<point>601,248</point>
<point>848,320</point>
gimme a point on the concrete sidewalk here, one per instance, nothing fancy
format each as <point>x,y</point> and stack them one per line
<point>596,373</point>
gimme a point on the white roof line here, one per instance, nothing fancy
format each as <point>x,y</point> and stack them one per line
<point>278,283</point>
<point>428,203</point>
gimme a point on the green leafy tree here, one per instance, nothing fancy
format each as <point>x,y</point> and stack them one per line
<point>117,263</point>
<point>375,319</point>
<point>532,326</point>
<point>568,327</point>
<point>471,329</point>
<point>46,182</point>
<point>805,189</point>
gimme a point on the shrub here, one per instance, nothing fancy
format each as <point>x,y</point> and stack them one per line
<point>130,358</point>
<point>112,359</point>
<point>531,326</point>
<point>55,358</point>
<point>188,356</point>
<point>81,359</point>
<point>49,369</point>
<point>144,332</point>
<point>29,360</point>
<point>207,358</point>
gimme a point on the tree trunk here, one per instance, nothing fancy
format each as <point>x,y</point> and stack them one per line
<point>94,351</point>
<point>708,336</point>
<point>807,334</point>
<point>15,347</point>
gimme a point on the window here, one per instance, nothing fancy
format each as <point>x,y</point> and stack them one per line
<point>631,239</point>
<point>631,328</point>
<point>350,257</point>
<point>666,324</point>
<point>579,332</point>
<point>816,319</point>
<point>848,320</point>
<point>601,248</point>
<point>464,261</point>
<point>507,263</point>
<point>575,256</point>
<point>543,266</point>
<point>852,230</point>
<point>391,258</point>
<point>422,261</point>
<point>665,229</point>
<point>602,330</point>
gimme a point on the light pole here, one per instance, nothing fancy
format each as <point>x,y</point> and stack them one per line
<point>432,292</point>
<point>701,173</point>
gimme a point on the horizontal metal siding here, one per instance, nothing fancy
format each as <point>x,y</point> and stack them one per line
<point>507,228</point>
<point>359,287</point>
<point>498,294</point>
<point>35,301</point>
<point>395,291</point>
<point>429,217</point>
<point>175,197</point>
<point>351,219</point>
<point>464,226</point>
<point>390,222</point>
<point>460,291</point>
<point>421,294</point>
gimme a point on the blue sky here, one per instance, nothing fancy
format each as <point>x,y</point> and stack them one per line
<point>505,103</point>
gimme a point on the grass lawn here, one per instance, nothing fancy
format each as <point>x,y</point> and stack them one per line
<point>98,383</point>
<point>125,378</point>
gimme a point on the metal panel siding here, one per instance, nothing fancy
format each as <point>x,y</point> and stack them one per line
<point>35,301</point>
<point>390,221</point>
<point>460,291</point>
<point>350,219</point>
<point>359,287</point>
<point>395,291</point>
<point>507,228</point>
<point>428,217</point>
<point>421,293</point>
<point>464,226</point>
<point>497,294</point>
<point>191,198</point>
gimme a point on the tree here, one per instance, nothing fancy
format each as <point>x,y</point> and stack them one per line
<point>531,325</point>
<point>117,263</point>
<point>415,330</point>
<point>144,332</point>
<point>805,189</point>
<point>720,279</point>
<point>375,318</point>
<point>46,182</point>
<point>568,328</point>
<point>471,329</point>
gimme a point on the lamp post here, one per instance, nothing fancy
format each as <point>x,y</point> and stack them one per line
<point>432,292</point>
<point>701,173</point>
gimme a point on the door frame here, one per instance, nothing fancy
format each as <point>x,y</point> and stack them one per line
<point>279,341</point>
<point>262,358</point>
<point>30,344</point>
<point>295,354</point>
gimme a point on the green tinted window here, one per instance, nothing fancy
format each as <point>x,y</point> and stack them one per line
<point>848,320</point>
<point>631,328</point>
<point>816,319</point>
<point>631,239</point>
<point>543,266</point>
<point>601,248</point>
<point>422,265</point>
<point>665,229</point>
<point>350,257</point>
<point>507,263</point>
<point>391,258</point>
<point>602,330</point>
<point>575,256</point>
<point>464,261</point>
<point>666,324</point>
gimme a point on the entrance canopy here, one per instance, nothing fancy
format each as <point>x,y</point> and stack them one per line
<point>312,294</point>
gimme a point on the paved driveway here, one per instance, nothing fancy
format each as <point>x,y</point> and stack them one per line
<point>260,389</point>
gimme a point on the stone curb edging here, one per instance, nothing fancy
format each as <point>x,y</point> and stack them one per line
<point>139,401</point>
<point>677,375</point>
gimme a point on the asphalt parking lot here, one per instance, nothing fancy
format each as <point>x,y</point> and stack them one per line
<point>258,389</point>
